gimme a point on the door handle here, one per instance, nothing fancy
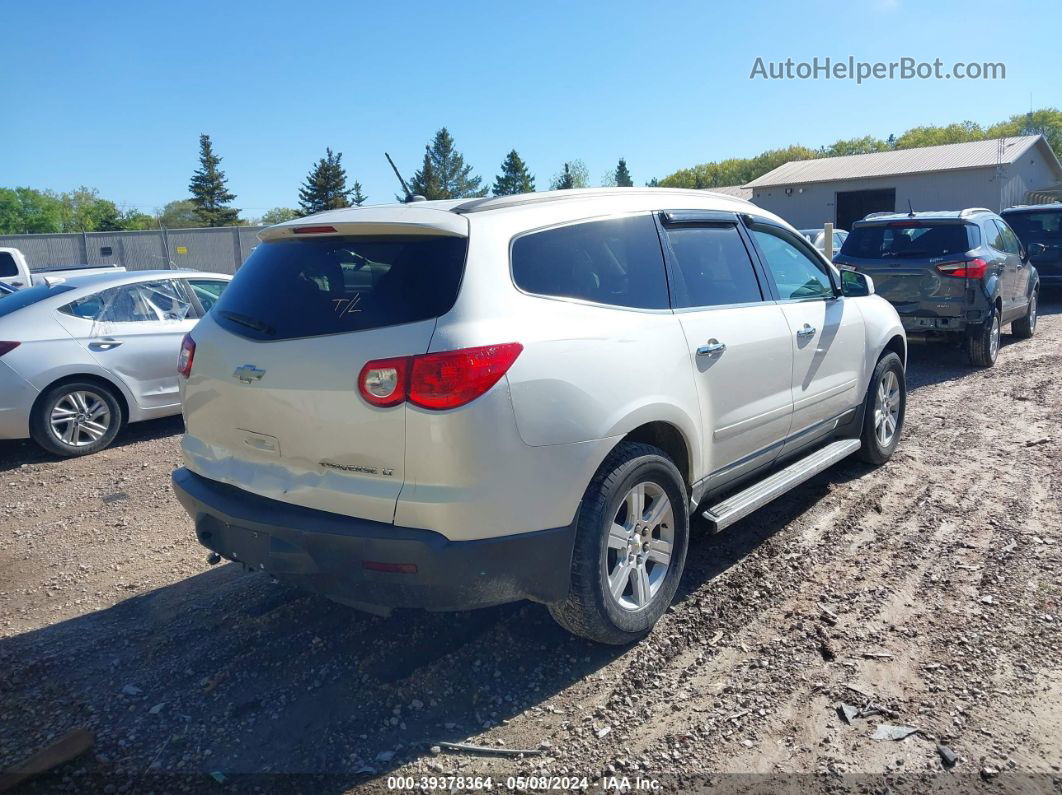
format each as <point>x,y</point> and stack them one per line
<point>712,347</point>
<point>807,331</point>
<point>105,343</point>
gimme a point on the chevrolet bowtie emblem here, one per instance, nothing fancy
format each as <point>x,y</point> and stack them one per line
<point>248,373</point>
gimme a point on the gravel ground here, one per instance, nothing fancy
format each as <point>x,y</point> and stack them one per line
<point>929,587</point>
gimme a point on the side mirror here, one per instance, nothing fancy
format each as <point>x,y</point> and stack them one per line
<point>1036,249</point>
<point>855,284</point>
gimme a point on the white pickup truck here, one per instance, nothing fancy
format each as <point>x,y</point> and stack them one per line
<point>15,271</point>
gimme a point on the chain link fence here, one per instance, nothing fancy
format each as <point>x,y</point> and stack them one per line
<point>221,249</point>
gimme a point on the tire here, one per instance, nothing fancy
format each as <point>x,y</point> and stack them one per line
<point>1025,327</point>
<point>886,404</point>
<point>591,610</point>
<point>95,417</point>
<point>982,341</point>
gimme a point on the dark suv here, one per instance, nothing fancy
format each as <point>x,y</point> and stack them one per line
<point>1039,227</point>
<point>959,273</point>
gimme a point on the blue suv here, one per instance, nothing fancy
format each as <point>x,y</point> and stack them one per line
<point>959,273</point>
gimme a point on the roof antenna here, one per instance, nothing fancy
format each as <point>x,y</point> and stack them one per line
<point>910,209</point>
<point>410,196</point>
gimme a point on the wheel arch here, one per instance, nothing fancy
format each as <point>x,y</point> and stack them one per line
<point>119,393</point>
<point>669,438</point>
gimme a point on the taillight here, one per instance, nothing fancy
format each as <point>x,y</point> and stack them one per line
<point>975,268</point>
<point>385,382</point>
<point>185,357</point>
<point>436,381</point>
<point>7,347</point>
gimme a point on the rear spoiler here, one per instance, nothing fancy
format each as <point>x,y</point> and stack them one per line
<point>401,219</point>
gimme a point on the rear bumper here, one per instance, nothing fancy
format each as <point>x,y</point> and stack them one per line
<point>327,553</point>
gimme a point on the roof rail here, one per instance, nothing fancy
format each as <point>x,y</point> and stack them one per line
<point>973,210</point>
<point>878,215</point>
<point>516,200</point>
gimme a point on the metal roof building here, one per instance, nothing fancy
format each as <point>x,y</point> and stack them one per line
<point>994,173</point>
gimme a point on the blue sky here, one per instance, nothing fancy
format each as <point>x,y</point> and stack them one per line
<point>114,95</point>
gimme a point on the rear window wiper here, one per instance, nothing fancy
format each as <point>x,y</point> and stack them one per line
<point>250,323</point>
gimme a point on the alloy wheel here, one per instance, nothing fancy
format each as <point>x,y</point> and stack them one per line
<point>640,542</point>
<point>80,418</point>
<point>887,408</point>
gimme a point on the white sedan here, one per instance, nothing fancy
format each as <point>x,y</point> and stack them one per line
<point>82,355</point>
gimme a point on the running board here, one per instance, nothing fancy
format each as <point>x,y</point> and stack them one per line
<point>759,494</point>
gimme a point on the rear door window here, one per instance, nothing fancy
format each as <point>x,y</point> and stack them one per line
<point>1010,240</point>
<point>616,262</point>
<point>907,240</point>
<point>162,301</point>
<point>712,266</point>
<point>334,285</point>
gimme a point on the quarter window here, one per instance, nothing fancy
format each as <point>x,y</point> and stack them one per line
<point>616,262</point>
<point>994,236</point>
<point>795,273</point>
<point>712,266</point>
<point>1010,240</point>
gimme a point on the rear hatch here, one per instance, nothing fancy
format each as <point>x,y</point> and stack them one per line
<point>902,257</point>
<point>1043,227</point>
<point>272,404</point>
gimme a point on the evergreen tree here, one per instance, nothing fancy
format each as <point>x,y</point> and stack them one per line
<point>514,177</point>
<point>210,195</point>
<point>574,175</point>
<point>326,185</point>
<point>623,176</point>
<point>565,180</point>
<point>444,174</point>
<point>357,198</point>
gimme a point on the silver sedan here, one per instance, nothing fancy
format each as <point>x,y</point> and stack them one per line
<point>82,355</point>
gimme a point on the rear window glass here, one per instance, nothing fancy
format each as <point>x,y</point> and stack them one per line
<point>898,241</point>
<point>1036,227</point>
<point>31,295</point>
<point>617,262</point>
<point>334,285</point>
<point>7,264</point>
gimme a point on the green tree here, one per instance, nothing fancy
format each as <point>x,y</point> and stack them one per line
<point>278,215</point>
<point>573,175</point>
<point>85,211</point>
<point>357,197</point>
<point>210,194</point>
<point>623,175</point>
<point>444,173</point>
<point>326,185</point>
<point>133,219</point>
<point>10,212</point>
<point>855,146</point>
<point>39,211</point>
<point>180,214</point>
<point>514,177</point>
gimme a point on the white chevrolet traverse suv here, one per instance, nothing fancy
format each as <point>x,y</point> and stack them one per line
<point>462,403</point>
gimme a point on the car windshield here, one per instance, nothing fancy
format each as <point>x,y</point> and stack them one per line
<point>1036,227</point>
<point>907,240</point>
<point>29,296</point>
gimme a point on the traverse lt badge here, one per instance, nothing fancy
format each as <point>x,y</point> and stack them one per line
<point>248,373</point>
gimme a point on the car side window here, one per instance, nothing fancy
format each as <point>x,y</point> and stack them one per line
<point>207,291</point>
<point>994,235</point>
<point>712,266</point>
<point>616,261</point>
<point>795,273</point>
<point>160,301</point>
<point>1010,240</point>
